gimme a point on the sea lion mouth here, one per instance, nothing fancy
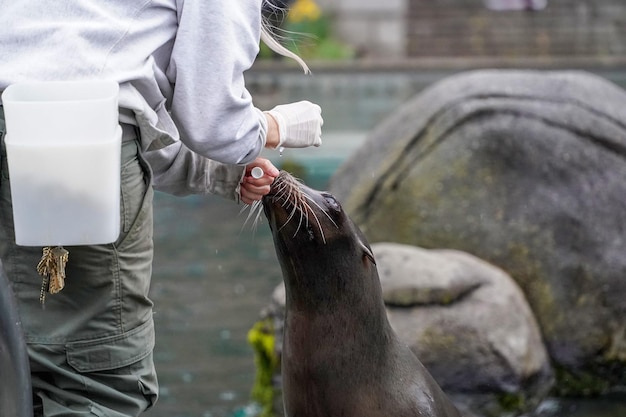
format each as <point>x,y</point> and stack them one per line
<point>290,203</point>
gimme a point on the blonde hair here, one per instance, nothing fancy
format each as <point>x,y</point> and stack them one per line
<point>268,39</point>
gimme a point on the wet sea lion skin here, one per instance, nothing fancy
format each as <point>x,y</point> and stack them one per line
<point>340,355</point>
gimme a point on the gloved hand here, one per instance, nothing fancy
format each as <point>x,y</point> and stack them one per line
<point>299,124</point>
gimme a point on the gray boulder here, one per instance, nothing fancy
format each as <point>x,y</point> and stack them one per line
<point>525,170</point>
<point>469,324</point>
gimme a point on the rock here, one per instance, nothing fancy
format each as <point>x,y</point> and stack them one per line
<point>411,277</point>
<point>526,170</point>
<point>485,342</point>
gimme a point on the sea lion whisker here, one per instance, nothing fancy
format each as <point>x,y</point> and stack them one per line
<point>299,222</point>
<point>289,195</point>
<point>283,189</point>
<point>255,212</point>
<point>289,184</point>
<point>322,210</point>
<point>317,220</point>
<point>258,216</point>
<point>292,213</point>
<point>298,204</point>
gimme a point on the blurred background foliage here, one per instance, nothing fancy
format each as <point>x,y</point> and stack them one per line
<point>306,30</point>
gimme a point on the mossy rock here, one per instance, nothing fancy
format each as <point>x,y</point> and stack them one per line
<point>526,170</point>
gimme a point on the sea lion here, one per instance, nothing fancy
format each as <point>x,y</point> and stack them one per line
<point>340,355</point>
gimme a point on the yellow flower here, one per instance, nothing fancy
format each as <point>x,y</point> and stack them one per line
<point>304,10</point>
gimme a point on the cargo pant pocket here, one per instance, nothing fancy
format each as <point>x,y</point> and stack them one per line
<point>118,371</point>
<point>113,351</point>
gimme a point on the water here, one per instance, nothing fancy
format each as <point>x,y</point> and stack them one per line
<point>211,278</point>
<point>210,281</point>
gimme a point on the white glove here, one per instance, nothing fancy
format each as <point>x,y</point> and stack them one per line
<point>299,124</point>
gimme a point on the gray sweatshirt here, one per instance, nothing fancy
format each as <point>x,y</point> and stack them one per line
<point>180,66</point>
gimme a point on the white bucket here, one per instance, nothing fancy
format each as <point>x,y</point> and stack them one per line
<point>64,147</point>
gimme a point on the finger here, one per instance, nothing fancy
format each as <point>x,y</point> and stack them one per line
<point>248,197</point>
<point>260,190</point>
<point>252,192</point>
<point>268,168</point>
<point>264,181</point>
<point>247,201</point>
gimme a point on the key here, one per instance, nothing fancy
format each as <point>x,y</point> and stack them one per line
<point>52,268</point>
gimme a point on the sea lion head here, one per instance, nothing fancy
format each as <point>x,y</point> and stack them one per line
<point>316,241</point>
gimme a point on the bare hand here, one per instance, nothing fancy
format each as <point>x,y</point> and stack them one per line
<point>253,189</point>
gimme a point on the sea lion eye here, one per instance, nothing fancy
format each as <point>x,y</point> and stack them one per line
<point>332,202</point>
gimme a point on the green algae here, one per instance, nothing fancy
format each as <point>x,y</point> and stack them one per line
<point>579,384</point>
<point>511,402</point>
<point>267,362</point>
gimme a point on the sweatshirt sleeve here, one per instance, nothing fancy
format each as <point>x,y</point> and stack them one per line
<point>216,42</point>
<point>177,170</point>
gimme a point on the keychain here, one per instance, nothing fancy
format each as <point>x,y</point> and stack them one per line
<point>52,268</point>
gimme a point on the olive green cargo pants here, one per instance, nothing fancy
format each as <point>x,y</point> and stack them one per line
<point>90,346</point>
